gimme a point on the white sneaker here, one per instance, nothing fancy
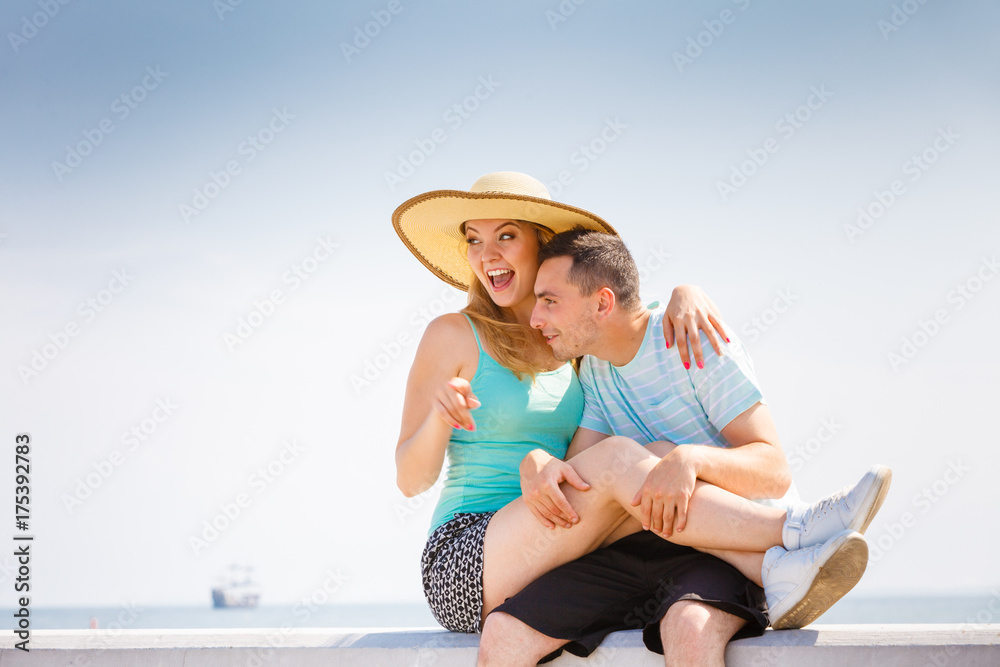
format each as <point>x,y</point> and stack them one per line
<point>801,585</point>
<point>851,508</point>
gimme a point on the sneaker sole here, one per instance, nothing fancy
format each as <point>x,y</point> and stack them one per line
<point>838,575</point>
<point>877,494</point>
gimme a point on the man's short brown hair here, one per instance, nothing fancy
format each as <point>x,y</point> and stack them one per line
<point>599,260</point>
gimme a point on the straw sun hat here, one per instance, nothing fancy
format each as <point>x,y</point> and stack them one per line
<point>429,223</point>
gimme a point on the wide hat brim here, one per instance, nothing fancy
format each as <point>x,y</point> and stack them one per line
<point>429,224</point>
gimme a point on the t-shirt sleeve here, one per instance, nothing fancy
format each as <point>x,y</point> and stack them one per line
<point>727,386</point>
<point>593,414</point>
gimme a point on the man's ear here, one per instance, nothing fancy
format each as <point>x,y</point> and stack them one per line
<point>605,303</point>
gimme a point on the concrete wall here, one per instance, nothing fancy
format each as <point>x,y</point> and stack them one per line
<point>818,645</point>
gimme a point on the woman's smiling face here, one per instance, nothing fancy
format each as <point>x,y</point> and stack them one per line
<point>504,256</point>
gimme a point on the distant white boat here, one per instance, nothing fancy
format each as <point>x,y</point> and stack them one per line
<point>237,589</point>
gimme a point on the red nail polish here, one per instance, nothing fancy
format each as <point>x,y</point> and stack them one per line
<point>727,340</point>
<point>701,364</point>
<point>668,344</point>
<point>687,366</point>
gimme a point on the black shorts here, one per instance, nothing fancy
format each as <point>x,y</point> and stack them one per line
<point>630,584</point>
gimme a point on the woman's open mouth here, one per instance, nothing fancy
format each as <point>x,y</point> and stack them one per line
<point>500,278</point>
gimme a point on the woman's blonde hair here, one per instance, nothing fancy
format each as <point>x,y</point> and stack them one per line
<point>505,338</point>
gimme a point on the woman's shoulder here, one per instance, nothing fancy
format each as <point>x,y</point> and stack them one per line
<point>450,336</point>
<point>450,326</point>
<point>448,342</point>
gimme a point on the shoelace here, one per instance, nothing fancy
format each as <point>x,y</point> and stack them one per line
<point>826,505</point>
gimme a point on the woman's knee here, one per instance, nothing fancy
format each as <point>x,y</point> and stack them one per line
<point>604,462</point>
<point>661,447</point>
<point>615,449</point>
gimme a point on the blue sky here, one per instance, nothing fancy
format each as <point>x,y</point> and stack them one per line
<point>256,119</point>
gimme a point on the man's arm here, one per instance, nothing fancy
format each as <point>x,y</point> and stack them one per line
<point>584,438</point>
<point>753,467</point>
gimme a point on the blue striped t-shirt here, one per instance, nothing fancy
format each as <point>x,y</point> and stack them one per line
<point>653,397</point>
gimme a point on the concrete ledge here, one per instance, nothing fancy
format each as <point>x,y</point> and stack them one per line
<point>818,645</point>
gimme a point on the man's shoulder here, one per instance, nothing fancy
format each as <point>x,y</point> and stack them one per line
<point>654,352</point>
<point>589,366</point>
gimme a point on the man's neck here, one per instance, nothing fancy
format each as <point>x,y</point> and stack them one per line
<point>624,337</point>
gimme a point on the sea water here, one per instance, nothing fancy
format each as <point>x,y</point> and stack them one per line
<point>983,608</point>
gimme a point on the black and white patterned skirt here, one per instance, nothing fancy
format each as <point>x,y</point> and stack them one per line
<point>452,571</point>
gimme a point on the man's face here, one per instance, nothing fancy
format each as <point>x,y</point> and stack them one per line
<point>565,317</point>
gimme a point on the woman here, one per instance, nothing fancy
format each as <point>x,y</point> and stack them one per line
<point>483,545</point>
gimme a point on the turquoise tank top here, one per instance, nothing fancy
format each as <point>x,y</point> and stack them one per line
<point>516,417</point>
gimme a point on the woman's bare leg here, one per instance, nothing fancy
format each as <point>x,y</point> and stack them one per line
<point>749,563</point>
<point>518,549</point>
<point>717,519</point>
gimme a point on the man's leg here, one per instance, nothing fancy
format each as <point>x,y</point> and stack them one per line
<point>631,584</point>
<point>509,642</point>
<point>696,634</point>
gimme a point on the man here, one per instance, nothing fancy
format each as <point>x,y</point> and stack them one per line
<point>588,304</point>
